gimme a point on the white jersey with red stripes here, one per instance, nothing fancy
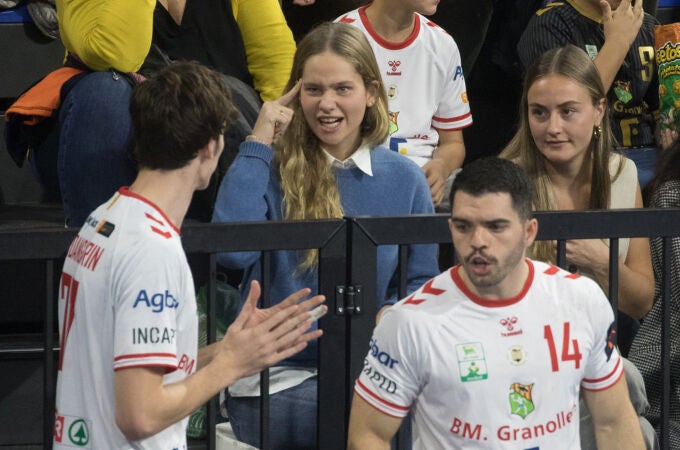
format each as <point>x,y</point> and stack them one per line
<point>493,374</point>
<point>425,85</point>
<point>126,299</point>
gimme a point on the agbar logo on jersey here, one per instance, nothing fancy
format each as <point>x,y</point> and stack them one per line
<point>158,302</point>
<point>382,357</point>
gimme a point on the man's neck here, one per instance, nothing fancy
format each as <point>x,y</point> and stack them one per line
<point>509,288</point>
<point>392,23</point>
<point>166,189</point>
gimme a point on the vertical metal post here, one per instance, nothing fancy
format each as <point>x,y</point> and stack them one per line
<point>265,302</point>
<point>614,277</point>
<point>48,357</point>
<point>211,327</point>
<point>666,337</point>
<point>333,383</point>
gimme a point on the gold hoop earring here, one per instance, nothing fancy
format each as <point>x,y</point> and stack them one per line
<point>597,131</point>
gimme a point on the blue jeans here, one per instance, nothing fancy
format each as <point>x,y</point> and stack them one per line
<point>292,418</point>
<point>88,154</point>
<point>645,161</point>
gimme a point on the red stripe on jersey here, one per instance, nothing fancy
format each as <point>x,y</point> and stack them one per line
<point>126,192</point>
<point>552,270</point>
<point>346,19</point>
<point>411,301</point>
<point>168,368</point>
<point>146,355</point>
<point>427,289</point>
<point>573,276</point>
<point>380,399</point>
<point>455,276</point>
<point>383,42</point>
<point>149,216</point>
<point>361,396</point>
<point>165,234</point>
<point>611,374</point>
<point>452,119</point>
<point>606,387</point>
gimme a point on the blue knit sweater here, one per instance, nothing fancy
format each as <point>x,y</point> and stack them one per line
<point>251,191</point>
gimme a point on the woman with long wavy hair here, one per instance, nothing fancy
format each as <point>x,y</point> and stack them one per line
<point>315,153</point>
<point>564,142</point>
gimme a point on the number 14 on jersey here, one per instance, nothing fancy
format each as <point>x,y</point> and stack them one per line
<point>570,351</point>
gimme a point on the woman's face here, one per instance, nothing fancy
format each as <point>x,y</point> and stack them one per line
<point>334,100</point>
<point>562,117</point>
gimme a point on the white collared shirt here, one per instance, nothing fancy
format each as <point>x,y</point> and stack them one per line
<point>361,158</point>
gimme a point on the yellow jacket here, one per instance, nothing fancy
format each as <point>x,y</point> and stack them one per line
<point>117,34</point>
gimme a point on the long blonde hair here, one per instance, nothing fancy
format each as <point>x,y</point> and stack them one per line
<point>573,63</point>
<point>309,186</point>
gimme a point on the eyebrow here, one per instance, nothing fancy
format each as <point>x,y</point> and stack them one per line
<point>336,84</point>
<point>484,222</point>
<point>561,105</point>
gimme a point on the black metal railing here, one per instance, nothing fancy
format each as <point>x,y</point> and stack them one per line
<point>347,259</point>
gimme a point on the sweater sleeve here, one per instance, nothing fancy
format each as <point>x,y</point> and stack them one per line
<point>422,258</point>
<point>242,196</point>
<point>269,44</point>
<point>107,34</point>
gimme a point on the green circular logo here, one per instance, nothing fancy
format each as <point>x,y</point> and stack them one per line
<point>78,433</point>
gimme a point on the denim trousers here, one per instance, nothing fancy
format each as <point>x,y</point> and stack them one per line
<point>292,418</point>
<point>645,161</point>
<point>88,154</point>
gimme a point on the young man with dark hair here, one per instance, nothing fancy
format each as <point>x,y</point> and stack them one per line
<point>129,369</point>
<point>494,352</point>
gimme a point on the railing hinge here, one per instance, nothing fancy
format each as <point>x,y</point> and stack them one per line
<point>349,300</point>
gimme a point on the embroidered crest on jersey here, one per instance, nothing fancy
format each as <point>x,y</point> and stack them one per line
<point>394,122</point>
<point>392,93</point>
<point>471,362</point>
<point>521,402</point>
<point>516,355</point>
<point>611,341</point>
<point>394,68</point>
<point>510,326</point>
<point>622,91</point>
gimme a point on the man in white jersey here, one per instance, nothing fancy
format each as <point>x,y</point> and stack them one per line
<point>129,369</point>
<point>423,76</point>
<point>494,352</point>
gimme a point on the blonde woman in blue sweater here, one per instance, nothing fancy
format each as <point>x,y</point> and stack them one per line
<point>315,154</point>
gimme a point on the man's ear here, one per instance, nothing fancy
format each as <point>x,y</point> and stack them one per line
<point>208,151</point>
<point>530,230</point>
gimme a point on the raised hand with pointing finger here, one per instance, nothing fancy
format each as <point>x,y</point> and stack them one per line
<point>274,118</point>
